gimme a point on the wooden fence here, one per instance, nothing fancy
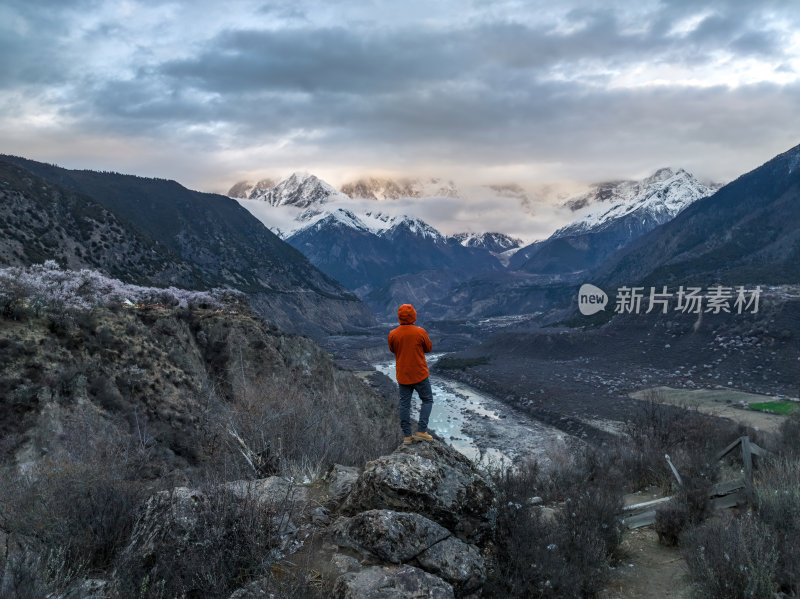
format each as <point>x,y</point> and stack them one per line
<point>725,494</point>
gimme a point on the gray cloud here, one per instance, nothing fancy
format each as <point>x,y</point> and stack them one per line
<point>31,43</point>
<point>495,84</point>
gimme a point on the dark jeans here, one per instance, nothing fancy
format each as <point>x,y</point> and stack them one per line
<point>423,389</point>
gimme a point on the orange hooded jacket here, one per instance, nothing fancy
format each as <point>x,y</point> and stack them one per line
<point>409,344</point>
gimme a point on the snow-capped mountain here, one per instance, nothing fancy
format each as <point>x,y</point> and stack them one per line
<point>746,232</point>
<point>380,255</point>
<point>611,217</point>
<point>363,250</point>
<point>657,198</point>
<point>366,252</point>
<point>406,225</point>
<point>300,189</point>
<point>616,192</point>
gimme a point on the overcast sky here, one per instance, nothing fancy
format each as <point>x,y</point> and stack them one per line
<point>209,92</point>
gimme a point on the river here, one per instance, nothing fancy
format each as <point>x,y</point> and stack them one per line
<point>483,428</point>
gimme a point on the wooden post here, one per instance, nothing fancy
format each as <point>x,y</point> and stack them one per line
<point>725,451</point>
<point>674,469</point>
<point>747,458</point>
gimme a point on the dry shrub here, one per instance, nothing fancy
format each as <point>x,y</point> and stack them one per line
<point>85,512</point>
<point>690,438</point>
<point>569,554</point>
<point>82,511</point>
<point>672,519</point>
<point>29,575</point>
<point>232,541</point>
<point>732,558</point>
<point>789,440</point>
<point>691,503</point>
<point>281,427</point>
<point>75,509</point>
<point>778,493</point>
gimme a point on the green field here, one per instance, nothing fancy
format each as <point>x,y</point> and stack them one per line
<point>777,407</point>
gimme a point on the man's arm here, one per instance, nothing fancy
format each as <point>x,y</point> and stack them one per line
<point>391,343</point>
<point>427,346</point>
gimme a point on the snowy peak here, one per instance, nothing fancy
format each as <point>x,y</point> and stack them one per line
<point>261,188</point>
<point>339,218</point>
<point>381,188</point>
<point>657,198</point>
<point>413,226</point>
<point>375,223</point>
<point>494,242</point>
<point>299,189</point>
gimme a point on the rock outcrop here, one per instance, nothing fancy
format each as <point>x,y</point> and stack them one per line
<point>431,479</point>
<point>411,525</point>
<point>395,537</point>
<point>424,508</point>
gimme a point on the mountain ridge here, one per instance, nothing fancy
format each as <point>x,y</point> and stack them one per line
<point>746,225</point>
<point>213,239</point>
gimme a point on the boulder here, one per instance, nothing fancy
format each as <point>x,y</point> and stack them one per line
<point>394,537</point>
<point>431,479</point>
<point>400,537</point>
<point>456,562</point>
<point>403,582</point>
<point>340,481</point>
<point>320,516</point>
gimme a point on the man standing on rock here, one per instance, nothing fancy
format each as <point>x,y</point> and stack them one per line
<point>409,344</point>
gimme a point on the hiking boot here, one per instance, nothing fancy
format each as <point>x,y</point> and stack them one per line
<point>422,436</point>
<point>407,440</point>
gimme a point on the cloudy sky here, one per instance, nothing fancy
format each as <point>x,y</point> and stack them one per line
<point>209,92</point>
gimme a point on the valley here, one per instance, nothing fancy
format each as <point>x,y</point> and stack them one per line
<point>160,323</point>
<point>214,217</point>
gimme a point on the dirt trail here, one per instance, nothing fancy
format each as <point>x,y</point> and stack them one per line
<point>649,570</point>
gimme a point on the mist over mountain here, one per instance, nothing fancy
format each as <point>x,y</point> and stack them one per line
<point>745,233</point>
<point>384,188</point>
<point>245,189</point>
<point>450,207</point>
<point>378,255</point>
<point>181,237</point>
